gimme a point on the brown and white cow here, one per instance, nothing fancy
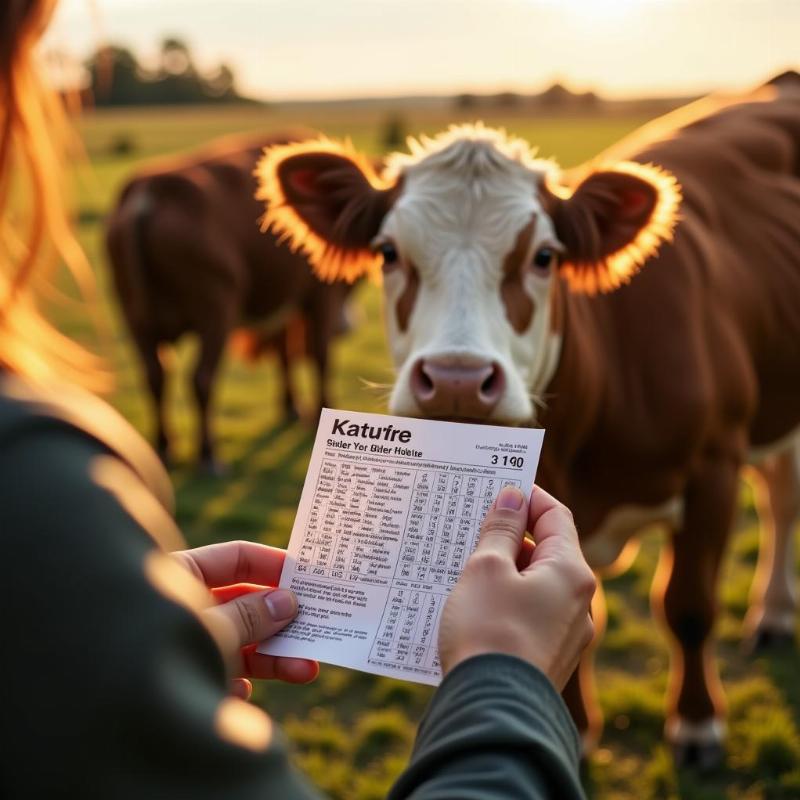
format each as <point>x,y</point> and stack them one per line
<point>187,257</point>
<point>513,296</point>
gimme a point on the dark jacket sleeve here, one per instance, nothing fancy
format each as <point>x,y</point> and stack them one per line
<point>109,687</point>
<point>496,728</point>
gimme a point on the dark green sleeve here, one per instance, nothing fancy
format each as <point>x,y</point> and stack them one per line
<point>109,689</point>
<point>496,728</point>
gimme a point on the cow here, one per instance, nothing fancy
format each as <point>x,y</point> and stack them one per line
<point>187,256</point>
<point>644,309</point>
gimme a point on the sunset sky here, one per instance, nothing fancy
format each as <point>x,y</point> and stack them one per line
<point>333,48</point>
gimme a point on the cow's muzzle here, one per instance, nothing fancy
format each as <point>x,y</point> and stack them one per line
<point>450,388</point>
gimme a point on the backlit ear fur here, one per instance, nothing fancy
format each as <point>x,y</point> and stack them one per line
<point>330,261</point>
<point>610,271</point>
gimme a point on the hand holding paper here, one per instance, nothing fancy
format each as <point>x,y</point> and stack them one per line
<point>390,512</point>
<point>537,610</point>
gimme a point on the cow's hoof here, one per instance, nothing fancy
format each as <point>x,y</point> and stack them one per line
<point>212,468</point>
<point>698,757</point>
<point>696,745</point>
<point>291,414</point>
<point>769,640</point>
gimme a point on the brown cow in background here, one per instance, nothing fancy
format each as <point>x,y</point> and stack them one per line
<point>187,256</point>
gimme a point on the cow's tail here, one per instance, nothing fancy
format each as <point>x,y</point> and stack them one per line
<point>127,248</point>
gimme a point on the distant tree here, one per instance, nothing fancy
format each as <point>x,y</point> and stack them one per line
<point>222,83</point>
<point>466,101</point>
<point>117,79</point>
<point>394,132</point>
<point>505,100</point>
<point>176,59</point>
<point>557,96</point>
<point>177,80</point>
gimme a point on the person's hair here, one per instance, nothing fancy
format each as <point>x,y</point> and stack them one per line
<point>35,229</point>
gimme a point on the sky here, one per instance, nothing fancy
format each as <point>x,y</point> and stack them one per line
<point>304,49</point>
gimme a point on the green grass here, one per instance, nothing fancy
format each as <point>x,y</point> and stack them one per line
<point>352,732</point>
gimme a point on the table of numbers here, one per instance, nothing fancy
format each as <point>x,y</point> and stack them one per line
<point>356,521</point>
<point>440,533</point>
<point>390,512</point>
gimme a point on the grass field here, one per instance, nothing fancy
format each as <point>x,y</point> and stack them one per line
<point>352,732</point>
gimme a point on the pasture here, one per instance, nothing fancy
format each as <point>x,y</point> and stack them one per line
<point>352,732</point>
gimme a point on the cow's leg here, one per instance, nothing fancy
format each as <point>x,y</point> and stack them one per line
<point>695,726</point>
<point>154,375</point>
<point>290,408</point>
<point>580,693</point>
<point>212,345</point>
<point>320,331</point>
<point>291,350</point>
<point>772,616</point>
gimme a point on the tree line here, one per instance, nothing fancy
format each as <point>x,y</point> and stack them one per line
<point>117,78</point>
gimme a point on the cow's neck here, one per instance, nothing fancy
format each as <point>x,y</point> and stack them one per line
<point>573,396</point>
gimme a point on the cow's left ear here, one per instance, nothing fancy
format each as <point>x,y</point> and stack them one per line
<point>326,199</point>
<point>614,220</point>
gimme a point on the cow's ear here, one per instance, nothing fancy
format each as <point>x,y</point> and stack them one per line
<point>612,222</point>
<point>325,199</point>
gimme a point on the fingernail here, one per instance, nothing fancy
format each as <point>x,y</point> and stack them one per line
<point>281,604</point>
<point>510,497</point>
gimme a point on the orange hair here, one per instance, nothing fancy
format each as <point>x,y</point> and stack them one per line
<point>34,224</point>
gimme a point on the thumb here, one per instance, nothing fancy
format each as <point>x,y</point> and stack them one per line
<point>504,525</point>
<point>254,617</point>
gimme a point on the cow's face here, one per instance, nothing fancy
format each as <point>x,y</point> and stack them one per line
<point>469,256</point>
<point>472,239</point>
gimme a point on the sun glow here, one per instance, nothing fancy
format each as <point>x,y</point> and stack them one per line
<point>597,10</point>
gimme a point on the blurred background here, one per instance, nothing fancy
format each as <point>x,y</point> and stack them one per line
<point>162,77</point>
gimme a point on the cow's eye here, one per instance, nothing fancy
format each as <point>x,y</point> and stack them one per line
<point>389,253</point>
<point>544,258</point>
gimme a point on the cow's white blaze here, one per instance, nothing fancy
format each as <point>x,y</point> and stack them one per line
<point>465,199</point>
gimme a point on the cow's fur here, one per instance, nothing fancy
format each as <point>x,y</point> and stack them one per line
<point>656,389</point>
<point>187,256</point>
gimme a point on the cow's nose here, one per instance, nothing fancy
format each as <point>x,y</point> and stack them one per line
<point>443,388</point>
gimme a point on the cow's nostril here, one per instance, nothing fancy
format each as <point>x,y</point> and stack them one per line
<point>425,379</point>
<point>422,383</point>
<point>492,386</point>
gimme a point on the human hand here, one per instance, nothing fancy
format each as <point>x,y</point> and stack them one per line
<point>527,601</point>
<point>236,573</point>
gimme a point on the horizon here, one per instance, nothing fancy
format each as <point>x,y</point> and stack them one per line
<point>305,51</point>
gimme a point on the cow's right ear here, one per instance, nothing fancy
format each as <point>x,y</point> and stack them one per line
<point>613,221</point>
<point>325,199</point>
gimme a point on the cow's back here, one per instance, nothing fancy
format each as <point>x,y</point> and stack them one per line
<point>740,172</point>
<point>193,224</point>
<point>700,352</point>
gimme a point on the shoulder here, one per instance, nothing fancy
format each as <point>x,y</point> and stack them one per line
<point>26,408</point>
<point>63,449</point>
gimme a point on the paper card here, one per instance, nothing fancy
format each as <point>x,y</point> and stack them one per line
<point>390,511</point>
